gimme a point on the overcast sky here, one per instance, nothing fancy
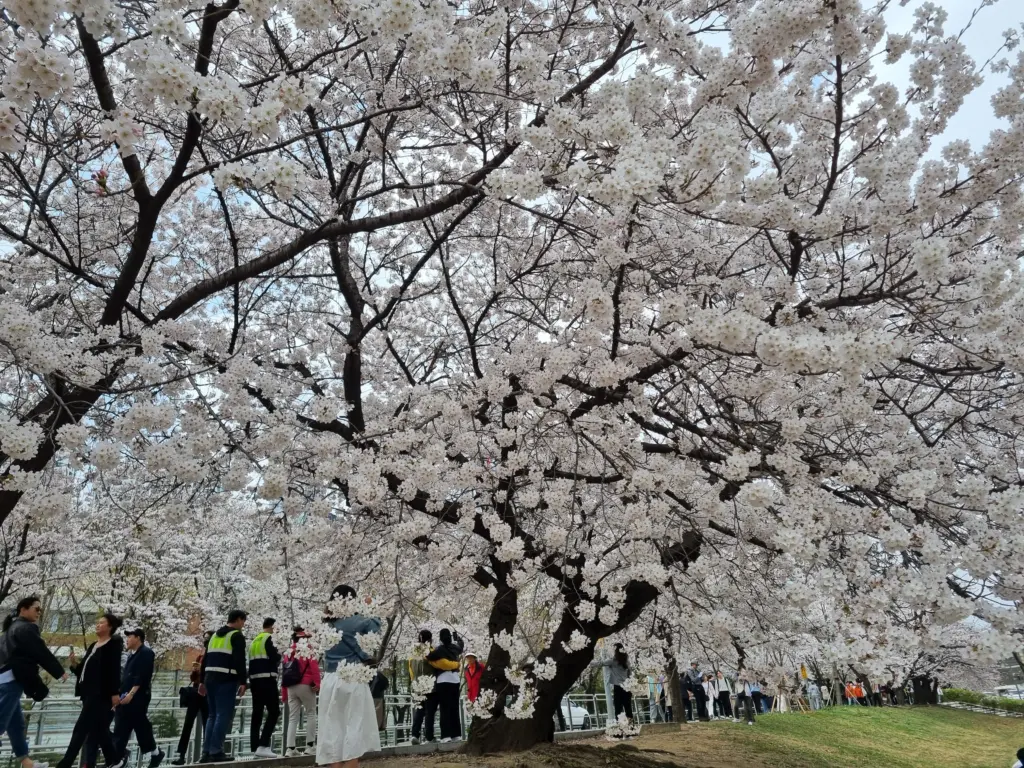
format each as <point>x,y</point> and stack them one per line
<point>975,120</point>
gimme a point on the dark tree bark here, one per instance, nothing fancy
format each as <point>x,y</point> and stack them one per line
<point>500,733</point>
<point>926,691</point>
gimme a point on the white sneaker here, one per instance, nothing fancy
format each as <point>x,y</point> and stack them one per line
<point>446,741</point>
<point>266,752</point>
<point>309,749</point>
<point>291,752</point>
<point>749,723</point>
<point>37,764</point>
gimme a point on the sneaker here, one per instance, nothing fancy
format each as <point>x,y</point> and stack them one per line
<point>415,740</point>
<point>119,764</point>
<point>749,723</point>
<point>266,752</point>
<point>37,764</point>
<point>204,758</point>
<point>291,752</point>
<point>155,760</point>
<point>309,749</point>
<point>220,757</point>
<point>446,740</point>
<point>179,760</point>
<point>735,719</point>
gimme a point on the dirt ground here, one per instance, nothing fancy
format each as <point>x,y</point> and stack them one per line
<point>843,737</point>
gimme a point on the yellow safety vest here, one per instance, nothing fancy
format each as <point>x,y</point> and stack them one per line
<point>259,661</point>
<point>219,656</point>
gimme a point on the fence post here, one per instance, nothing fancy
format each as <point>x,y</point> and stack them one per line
<point>39,723</point>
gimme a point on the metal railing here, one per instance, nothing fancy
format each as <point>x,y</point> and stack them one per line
<point>49,724</point>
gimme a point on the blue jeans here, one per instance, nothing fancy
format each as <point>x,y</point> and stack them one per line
<point>12,719</point>
<point>220,698</point>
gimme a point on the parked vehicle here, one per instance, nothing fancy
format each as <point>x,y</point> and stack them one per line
<point>576,718</point>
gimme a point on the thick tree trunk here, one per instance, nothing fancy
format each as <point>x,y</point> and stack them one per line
<point>501,734</point>
<point>925,691</point>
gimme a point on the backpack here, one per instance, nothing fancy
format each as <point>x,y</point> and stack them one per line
<point>291,672</point>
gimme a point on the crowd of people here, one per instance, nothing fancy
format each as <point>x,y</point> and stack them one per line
<point>713,695</point>
<point>343,717</point>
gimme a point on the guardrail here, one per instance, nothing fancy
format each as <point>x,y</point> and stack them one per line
<point>49,724</point>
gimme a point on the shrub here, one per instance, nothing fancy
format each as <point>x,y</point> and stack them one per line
<point>980,699</point>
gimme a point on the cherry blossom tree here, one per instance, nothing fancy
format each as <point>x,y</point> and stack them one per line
<point>607,304</point>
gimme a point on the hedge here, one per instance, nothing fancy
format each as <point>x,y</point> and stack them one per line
<point>981,700</point>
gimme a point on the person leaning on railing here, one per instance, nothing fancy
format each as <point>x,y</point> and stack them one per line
<point>22,652</point>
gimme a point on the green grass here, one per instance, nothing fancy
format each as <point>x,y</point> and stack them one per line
<point>901,737</point>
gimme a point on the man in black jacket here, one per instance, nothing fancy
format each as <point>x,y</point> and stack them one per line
<point>264,660</point>
<point>136,690</point>
<point>224,682</point>
<point>446,689</point>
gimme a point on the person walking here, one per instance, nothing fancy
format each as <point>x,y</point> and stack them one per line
<point>347,722</point>
<point>264,660</point>
<point>813,695</point>
<point>22,653</point>
<point>136,692</point>
<point>223,672</point>
<point>744,699</point>
<point>618,676</point>
<point>195,706</point>
<point>446,686</point>
<point>755,695</point>
<point>300,665</point>
<point>98,687</point>
<point>474,672</point>
<point>724,702</point>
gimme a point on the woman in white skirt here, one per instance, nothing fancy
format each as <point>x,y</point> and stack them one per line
<point>346,721</point>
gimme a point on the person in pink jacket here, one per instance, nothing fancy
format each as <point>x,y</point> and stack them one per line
<point>300,695</point>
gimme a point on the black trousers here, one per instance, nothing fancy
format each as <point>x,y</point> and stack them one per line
<point>724,705</point>
<point>687,708</point>
<point>134,717</point>
<point>743,704</point>
<point>420,714</point>
<point>756,696</point>
<point>448,707</point>
<point>701,703</point>
<point>622,700</point>
<point>93,724</point>
<point>265,698</point>
<point>196,708</point>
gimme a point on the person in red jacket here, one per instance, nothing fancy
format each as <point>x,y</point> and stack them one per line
<point>474,671</point>
<point>302,695</point>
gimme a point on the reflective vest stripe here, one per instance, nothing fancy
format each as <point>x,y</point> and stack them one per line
<point>221,645</point>
<point>260,667</point>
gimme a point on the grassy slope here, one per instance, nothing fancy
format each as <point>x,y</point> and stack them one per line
<point>856,736</point>
<point>845,737</point>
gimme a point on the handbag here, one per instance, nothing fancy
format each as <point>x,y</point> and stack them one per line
<point>379,685</point>
<point>185,694</point>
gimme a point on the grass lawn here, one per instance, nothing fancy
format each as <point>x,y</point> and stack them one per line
<point>843,737</point>
<point>901,737</point>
